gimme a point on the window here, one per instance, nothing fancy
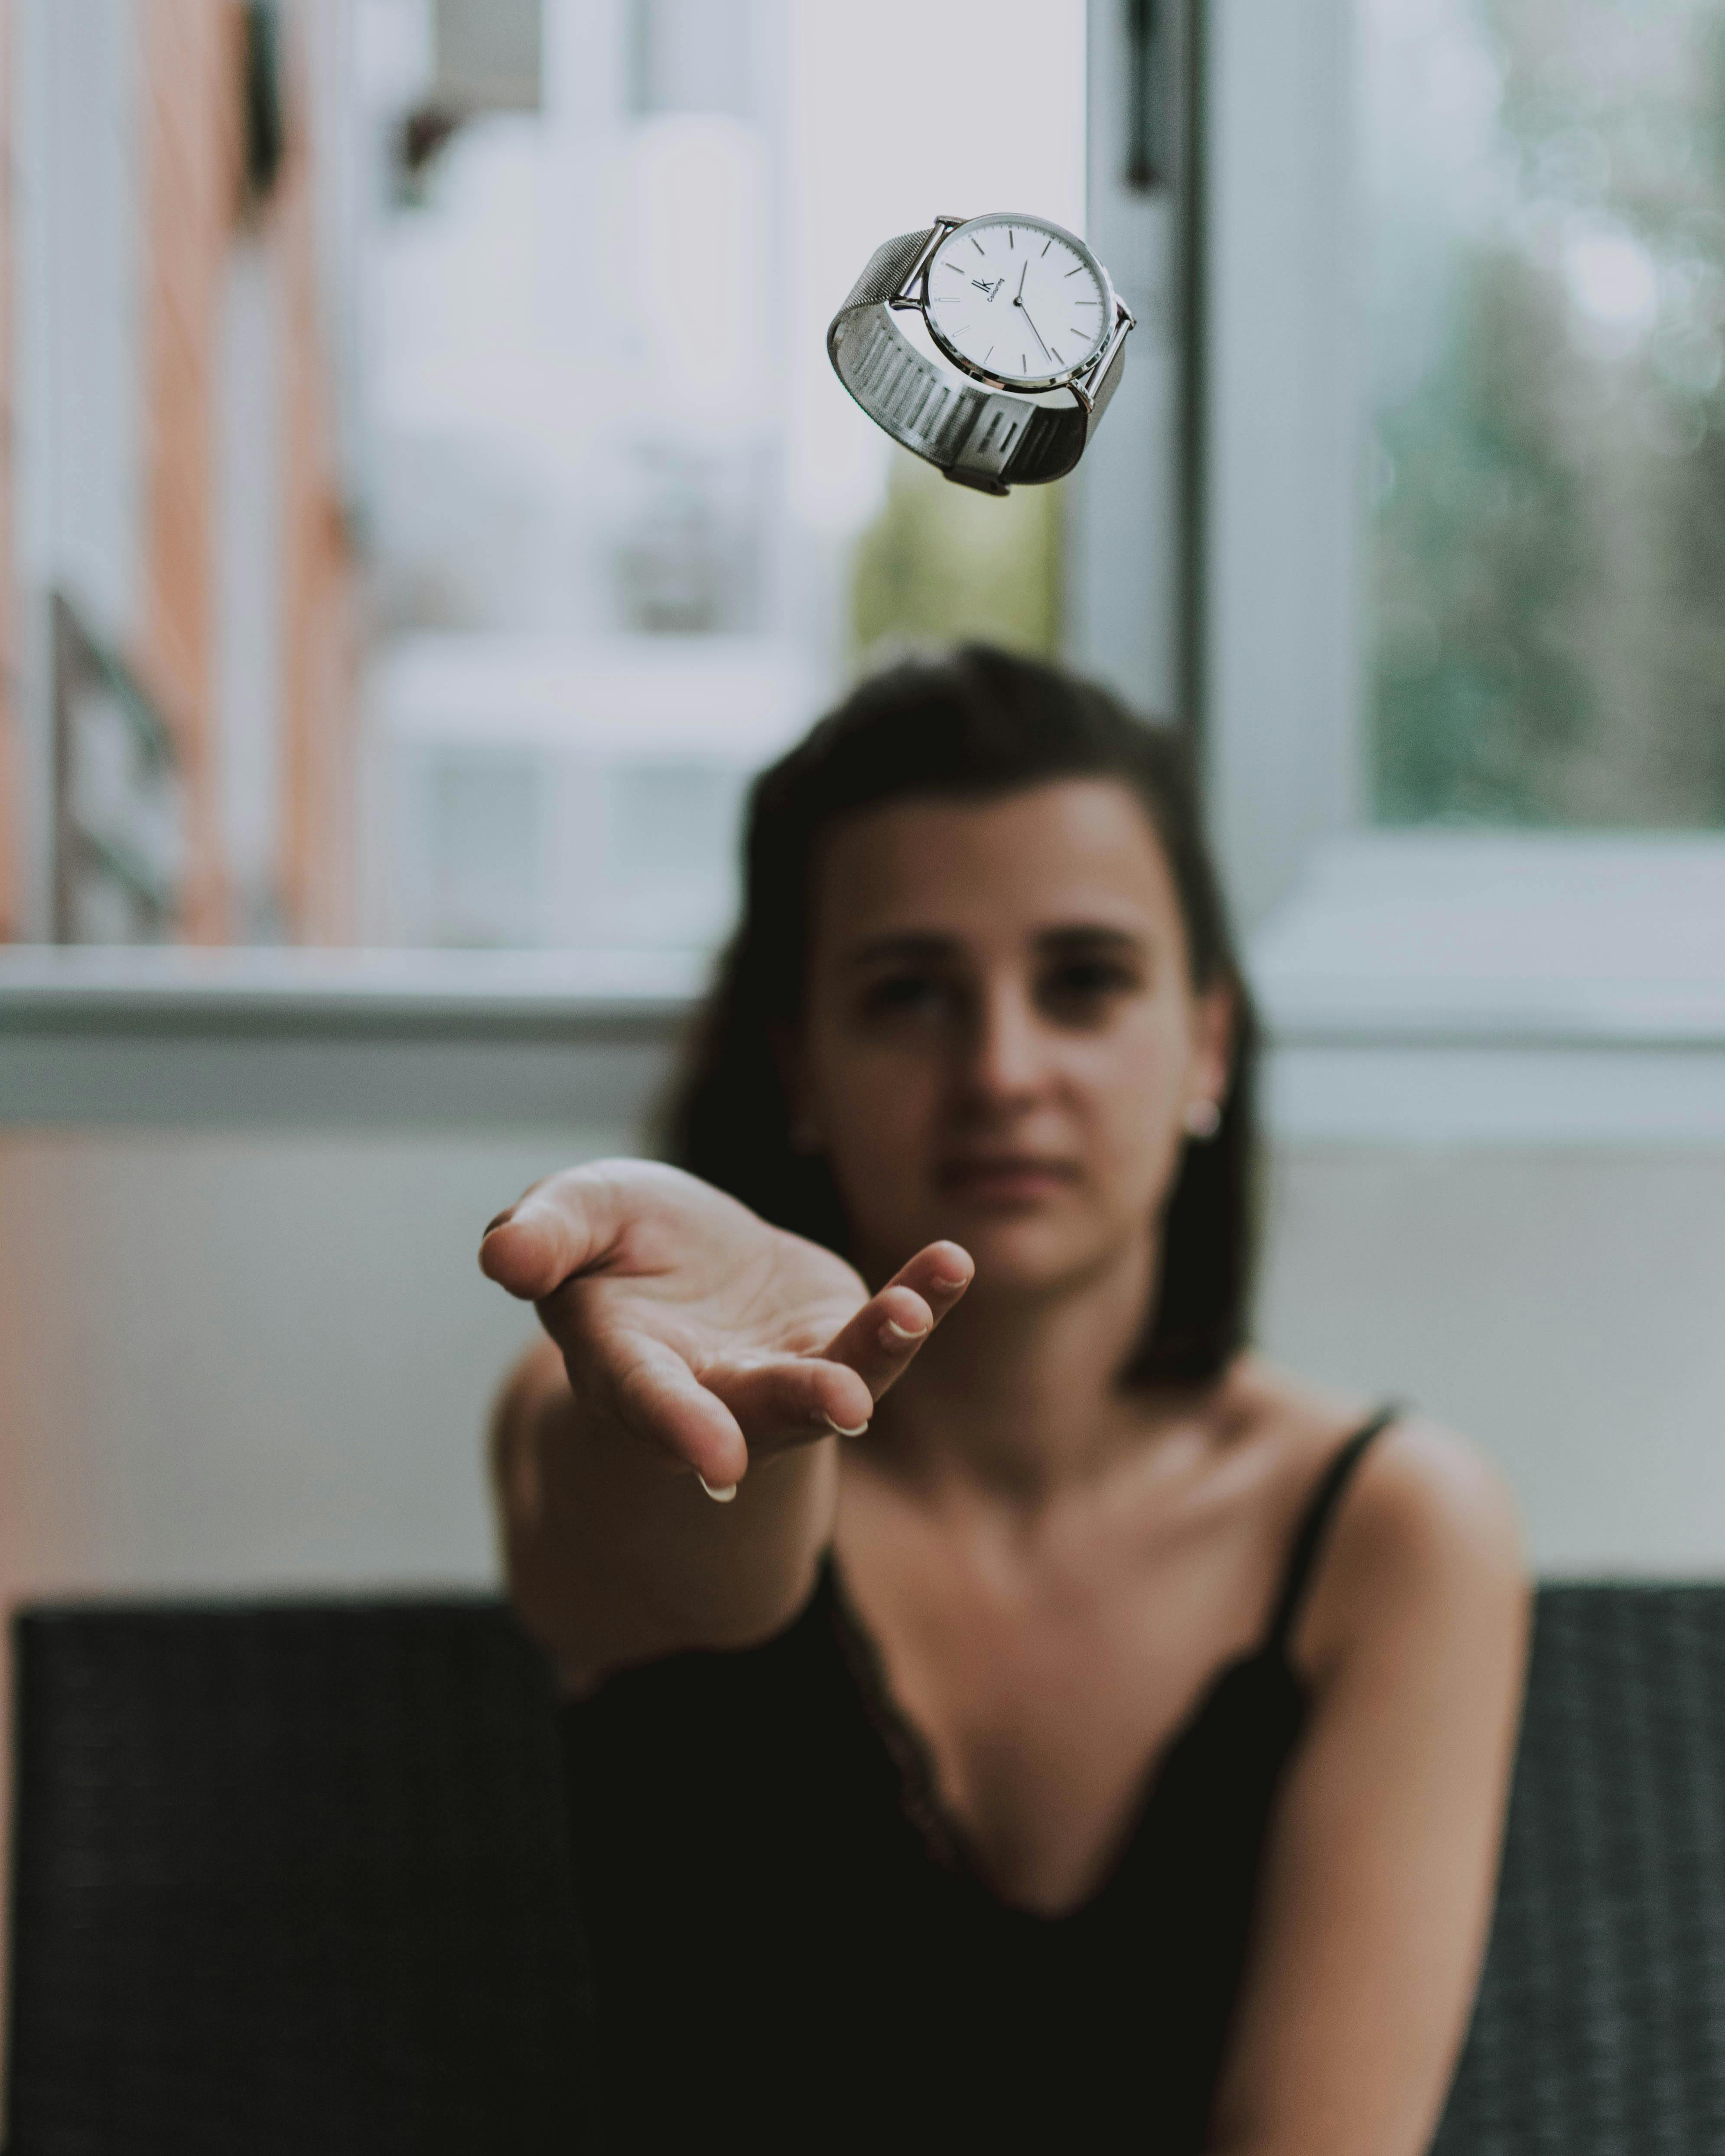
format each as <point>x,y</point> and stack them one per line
<point>1464,489</point>
<point>1545,193</point>
<point>423,407</point>
<point>616,490</point>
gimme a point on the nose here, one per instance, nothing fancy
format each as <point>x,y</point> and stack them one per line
<point>1007,1062</point>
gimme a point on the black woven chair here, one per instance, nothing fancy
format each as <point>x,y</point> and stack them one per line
<point>1600,2027</point>
<point>292,1880</point>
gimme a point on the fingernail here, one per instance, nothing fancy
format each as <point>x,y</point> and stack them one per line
<point>889,1333</point>
<point>839,1429</point>
<point>721,1495</point>
<point>497,1221</point>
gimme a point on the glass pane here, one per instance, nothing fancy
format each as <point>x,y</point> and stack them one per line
<point>1546,197</point>
<point>615,483</point>
<point>430,493</point>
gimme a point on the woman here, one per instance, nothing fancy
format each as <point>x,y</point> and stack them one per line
<point>1062,1727</point>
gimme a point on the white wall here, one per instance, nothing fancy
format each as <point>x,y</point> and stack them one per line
<point>1565,1306</point>
<point>258,1360</point>
<point>237,1361</point>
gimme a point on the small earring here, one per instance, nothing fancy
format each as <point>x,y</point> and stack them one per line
<point>1203,1119</point>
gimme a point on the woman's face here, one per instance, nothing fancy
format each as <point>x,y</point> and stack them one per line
<point>1000,1040</point>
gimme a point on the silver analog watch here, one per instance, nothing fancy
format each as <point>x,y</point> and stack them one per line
<point>1017,304</point>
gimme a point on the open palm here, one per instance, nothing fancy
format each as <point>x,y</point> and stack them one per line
<point>686,1322</point>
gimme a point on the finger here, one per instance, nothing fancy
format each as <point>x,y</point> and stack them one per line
<point>557,1227</point>
<point>658,1398</point>
<point>880,1341</point>
<point>939,1273</point>
<point>792,1399</point>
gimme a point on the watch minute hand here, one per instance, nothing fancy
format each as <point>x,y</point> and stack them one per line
<point>1037,333</point>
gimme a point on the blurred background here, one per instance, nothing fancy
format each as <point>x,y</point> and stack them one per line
<point>424,499</point>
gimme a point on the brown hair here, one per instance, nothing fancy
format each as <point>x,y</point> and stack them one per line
<point>977,722</point>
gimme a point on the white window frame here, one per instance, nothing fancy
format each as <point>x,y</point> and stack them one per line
<point>1546,987</point>
<point>1212,570</point>
<point>1284,716</point>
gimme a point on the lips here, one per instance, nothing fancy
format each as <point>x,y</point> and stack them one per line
<point>1006,1177</point>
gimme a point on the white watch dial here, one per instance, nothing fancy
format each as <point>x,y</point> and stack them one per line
<point>1019,299</point>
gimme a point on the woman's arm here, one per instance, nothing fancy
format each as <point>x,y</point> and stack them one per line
<point>611,1558</point>
<point>688,1340</point>
<point>1381,1869</point>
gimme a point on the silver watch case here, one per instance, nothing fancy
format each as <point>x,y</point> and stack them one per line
<point>912,296</point>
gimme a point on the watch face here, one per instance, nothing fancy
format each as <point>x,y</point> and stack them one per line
<point>1017,300</point>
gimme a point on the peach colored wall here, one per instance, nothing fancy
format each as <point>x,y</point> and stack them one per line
<point>317,834</point>
<point>192,62</point>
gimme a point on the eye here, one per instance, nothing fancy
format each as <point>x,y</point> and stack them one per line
<point>1082,991</point>
<point>909,997</point>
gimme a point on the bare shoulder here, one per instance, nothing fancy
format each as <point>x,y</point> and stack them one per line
<point>1425,1540</point>
<point>1427,1546</point>
<point>1429,1501</point>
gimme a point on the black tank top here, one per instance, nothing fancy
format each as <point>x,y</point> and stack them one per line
<point>792,1950</point>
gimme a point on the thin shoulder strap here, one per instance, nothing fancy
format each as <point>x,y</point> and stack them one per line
<point>1302,1558</point>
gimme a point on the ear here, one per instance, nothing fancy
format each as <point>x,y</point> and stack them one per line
<point>1214,1014</point>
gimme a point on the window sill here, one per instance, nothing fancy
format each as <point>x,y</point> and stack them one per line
<point>338,1039</point>
<point>1426,989</point>
<point>1486,988</point>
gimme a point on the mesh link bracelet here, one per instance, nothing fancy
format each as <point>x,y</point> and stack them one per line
<point>980,437</point>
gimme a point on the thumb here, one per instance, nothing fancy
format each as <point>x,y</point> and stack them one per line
<point>558,1227</point>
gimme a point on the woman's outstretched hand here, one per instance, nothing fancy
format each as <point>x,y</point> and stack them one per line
<point>687,1322</point>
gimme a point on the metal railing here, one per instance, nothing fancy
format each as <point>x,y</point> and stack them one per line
<point>118,840</point>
